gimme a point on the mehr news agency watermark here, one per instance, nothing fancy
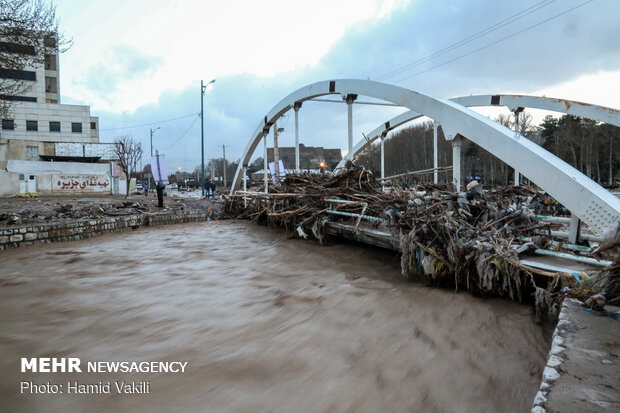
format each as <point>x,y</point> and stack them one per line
<point>74,365</point>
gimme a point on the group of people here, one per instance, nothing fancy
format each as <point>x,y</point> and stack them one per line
<point>210,189</point>
<point>159,187</point>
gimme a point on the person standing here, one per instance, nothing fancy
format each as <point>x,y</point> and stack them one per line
<point>212,189</point>
<point>160,194</point>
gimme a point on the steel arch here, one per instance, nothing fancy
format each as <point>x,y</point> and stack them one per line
<point>583,197</point>
<point>512,102</point>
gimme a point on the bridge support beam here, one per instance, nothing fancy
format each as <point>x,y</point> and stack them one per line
<point>457,144</point>
<point>382,161</point>
<point>435,154</point>
<point>350,99</point>
<point>518,135</point>
<point>245,184</point>
<point>296,108</point>
<point>265,164</point>
<point>276,152</point>
<point>574,232</point>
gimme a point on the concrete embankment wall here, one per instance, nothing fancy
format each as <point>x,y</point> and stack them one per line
<point>12,237</point>
<point>581,374</point>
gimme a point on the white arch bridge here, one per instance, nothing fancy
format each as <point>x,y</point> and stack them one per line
<point>586,200</point>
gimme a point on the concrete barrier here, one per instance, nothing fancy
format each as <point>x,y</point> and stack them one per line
<point>581,374</point>
<point>17,236</point>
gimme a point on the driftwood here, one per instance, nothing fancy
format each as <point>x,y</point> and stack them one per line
<point>463,241</point>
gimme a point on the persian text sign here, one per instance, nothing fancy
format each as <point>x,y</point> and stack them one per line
<point>81,183</point>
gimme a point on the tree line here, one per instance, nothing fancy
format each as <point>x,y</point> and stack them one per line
<point>587,145</point>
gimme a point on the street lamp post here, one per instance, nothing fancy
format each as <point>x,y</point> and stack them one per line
<point>203,87</point>
<point>152,132</point>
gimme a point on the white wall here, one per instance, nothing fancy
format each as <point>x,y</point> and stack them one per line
<point>64,168</point>
<point>44,172</point>
<point>9,183</point>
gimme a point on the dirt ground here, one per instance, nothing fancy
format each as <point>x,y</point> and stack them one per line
<point>45,209</point>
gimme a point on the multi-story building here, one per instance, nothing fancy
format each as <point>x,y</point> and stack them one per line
<point>39,130</point>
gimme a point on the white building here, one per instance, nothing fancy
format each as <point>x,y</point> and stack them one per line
<point>39,129</point>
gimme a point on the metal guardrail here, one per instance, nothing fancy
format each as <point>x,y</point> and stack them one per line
<point>571,257</point>
<point>352,214</point>
<point>420,172</point>
<point>555,220</point>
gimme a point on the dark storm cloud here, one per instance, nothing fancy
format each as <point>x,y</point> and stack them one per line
<point>585,40</point>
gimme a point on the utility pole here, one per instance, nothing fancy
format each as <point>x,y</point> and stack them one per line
<point>202,133</point>
<point>224,164</point>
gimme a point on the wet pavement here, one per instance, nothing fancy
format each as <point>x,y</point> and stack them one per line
<point>264,324</point>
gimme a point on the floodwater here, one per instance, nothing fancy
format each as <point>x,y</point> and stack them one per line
<point>264,323</point>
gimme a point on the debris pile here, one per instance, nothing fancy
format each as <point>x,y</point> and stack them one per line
<point>601,291</point>
<point>468,241</point>
<point>14,212</point>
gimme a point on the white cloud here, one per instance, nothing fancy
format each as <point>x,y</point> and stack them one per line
<point>197,39</point>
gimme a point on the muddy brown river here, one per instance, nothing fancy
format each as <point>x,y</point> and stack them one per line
<point>265,324</point>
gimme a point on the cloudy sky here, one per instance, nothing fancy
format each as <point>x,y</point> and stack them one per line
<point>139,63</point>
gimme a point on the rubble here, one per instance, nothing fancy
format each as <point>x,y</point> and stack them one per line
<point>29,210</point>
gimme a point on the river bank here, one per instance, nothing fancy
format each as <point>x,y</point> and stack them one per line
<point>31,221</point>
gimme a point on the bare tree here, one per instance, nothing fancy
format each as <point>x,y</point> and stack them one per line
<point>129,153</point>
<point>28,34</point>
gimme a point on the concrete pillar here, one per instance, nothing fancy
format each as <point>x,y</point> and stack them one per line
<point>382,157</point>
<point>517,174</point>
<point>296,107</point>
<point>435,154</point>
<point>350,99</point>
<point>574,231</point>
<point>224,163</point>
<point>276,152</point>
<point>382,161</point>
<point>245,185</point>
<point>457,144</point>
<point>265,164</point>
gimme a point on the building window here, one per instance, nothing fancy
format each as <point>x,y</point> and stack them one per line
<point>50,42</point>
<point>51,85</point>
<point>32,152</point>
<point>18,98</point>
<point>93,125</point>
<point>50,62</point>
<point>8,124</point>
<point>76,127</point>
<point>54,126</point>
<point>16,48</point>
<point>32,125</point>
<point>18,74</point>
<point>51,100</point>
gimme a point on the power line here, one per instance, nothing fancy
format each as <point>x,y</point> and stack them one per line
<point>496,41</point>
<point>460,43</point>
<point>469,39</point>
<point>183,134</point>
<point>148,124</point>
